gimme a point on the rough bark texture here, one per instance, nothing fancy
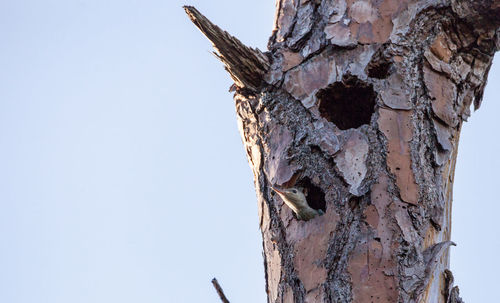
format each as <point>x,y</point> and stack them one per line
<point>362,106</point>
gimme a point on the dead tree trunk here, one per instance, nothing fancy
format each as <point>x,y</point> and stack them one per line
<point>360,103</point>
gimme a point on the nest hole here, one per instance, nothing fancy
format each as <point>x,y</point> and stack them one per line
<point>380,65</point>
<point>379,70</point>
<point>314,195</point>
<point>348,104</point>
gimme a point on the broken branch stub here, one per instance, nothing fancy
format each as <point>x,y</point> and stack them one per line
<point>246,65</point>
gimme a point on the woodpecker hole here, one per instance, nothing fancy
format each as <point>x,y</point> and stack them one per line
<point>314,195</point>
<point>348,104</point>
<point>379,70</point>
<point>379,66</point>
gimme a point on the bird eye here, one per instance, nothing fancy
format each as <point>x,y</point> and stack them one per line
<point>294,191</point>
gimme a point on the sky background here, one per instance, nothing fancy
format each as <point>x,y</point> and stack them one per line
<point>122,173</point>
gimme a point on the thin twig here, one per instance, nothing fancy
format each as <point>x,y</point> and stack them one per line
<point>219,291</point>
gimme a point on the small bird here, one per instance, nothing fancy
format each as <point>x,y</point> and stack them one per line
<point>296,200</point>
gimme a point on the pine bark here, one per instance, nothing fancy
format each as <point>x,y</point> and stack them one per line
<point>360,103</point>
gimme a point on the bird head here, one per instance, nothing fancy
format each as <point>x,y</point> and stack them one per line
<point>291,195</point>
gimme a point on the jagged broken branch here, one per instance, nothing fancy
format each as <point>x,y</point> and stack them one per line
<point>246,65</point>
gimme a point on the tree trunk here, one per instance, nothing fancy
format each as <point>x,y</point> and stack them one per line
<point>359,104</point>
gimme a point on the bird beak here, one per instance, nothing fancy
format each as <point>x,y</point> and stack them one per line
<point>277,190</point>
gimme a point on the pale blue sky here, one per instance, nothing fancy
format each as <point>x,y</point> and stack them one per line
<point>122,174</point>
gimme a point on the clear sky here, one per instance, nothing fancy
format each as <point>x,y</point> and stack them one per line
<point>122,173</point>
